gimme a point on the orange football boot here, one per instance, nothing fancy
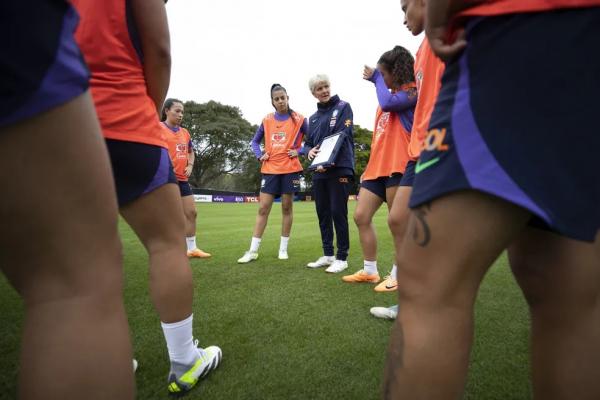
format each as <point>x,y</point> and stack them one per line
<point>388,285</point>
<point>361,276</point>
<point>197,253</point>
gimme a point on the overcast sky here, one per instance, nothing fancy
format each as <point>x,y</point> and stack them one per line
<point>231,51</point>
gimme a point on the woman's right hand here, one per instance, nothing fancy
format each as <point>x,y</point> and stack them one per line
<point>264,157</point>
<point>313,152</point>
<point>368,72</point>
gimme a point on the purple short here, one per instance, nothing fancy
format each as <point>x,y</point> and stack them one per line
<point>138,169</point>
<point>40,63</point>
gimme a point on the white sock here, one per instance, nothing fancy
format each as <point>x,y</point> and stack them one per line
<point>370,267</point>
<point>393,273</point>
<point>255,244</point>
<point>283,243</point>
<point>180,342</point>
<point>191,242</point>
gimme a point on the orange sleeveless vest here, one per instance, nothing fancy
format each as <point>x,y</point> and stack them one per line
<point>281,136</point>
<point>118,84</point>
<point>499,7</point>
<point>178,150</point>
<point>389,146</point>
<point>428,74</point>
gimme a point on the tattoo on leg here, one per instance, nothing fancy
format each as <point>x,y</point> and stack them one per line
<point>421,232</point>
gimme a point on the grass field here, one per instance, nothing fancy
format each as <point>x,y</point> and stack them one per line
<point>288,332</point>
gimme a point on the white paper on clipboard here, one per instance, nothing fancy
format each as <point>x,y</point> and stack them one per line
<point>326,149</point>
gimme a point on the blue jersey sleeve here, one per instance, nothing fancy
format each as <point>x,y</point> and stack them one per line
<point>304,130</point>
<point>255,143</point>
<point>391,102</point>
<point>308,139</point>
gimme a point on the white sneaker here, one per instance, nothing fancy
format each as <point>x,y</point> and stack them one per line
<point>321,262</point>
<point>337,266</point>
<point>283,255</point>
<point>247,257</point>
<point>385,312</point>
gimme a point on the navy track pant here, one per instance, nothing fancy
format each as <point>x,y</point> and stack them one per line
<point>331,201</point>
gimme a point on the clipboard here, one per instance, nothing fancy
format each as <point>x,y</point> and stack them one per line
<point>330,147</point>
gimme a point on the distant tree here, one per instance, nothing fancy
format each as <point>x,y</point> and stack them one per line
<point>362,149</point>
<point>223,182</point>
<point>249,177</point>
<point>221,138</point>
<point>307,175</point>
<point>224,159</point>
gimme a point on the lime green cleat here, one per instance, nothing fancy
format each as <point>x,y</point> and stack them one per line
<point>183,378</point>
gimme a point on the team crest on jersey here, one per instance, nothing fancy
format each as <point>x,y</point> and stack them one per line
<point>181,151</point>
<point>348,122</point>
<point>335,114</point>
<point>382,123</point>
<point>278,137</point>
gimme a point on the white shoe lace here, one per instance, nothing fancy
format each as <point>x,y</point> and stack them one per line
<point>200,351</point>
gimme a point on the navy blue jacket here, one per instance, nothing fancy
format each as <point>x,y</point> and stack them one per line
<point>333,117</point>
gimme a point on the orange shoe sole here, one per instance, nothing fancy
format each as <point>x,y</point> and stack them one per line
<point>361,278</point>
<point>382,287</point>
<point>198,254</point>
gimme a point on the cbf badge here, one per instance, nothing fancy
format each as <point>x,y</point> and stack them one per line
<point>278,137</point>
<point>333,118</point>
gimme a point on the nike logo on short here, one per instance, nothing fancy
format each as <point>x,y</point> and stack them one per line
<point>423,166</point>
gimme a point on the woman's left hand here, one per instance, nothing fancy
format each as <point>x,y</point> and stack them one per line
<point>437,16</point>
<point>188,170</point>
<point>368,72</point>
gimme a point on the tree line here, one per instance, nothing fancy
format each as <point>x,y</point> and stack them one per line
<point>224,158</point>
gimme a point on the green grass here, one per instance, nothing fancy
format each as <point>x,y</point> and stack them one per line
<point>288,332</point>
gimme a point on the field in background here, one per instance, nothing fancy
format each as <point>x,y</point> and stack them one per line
<point>288,332</point>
